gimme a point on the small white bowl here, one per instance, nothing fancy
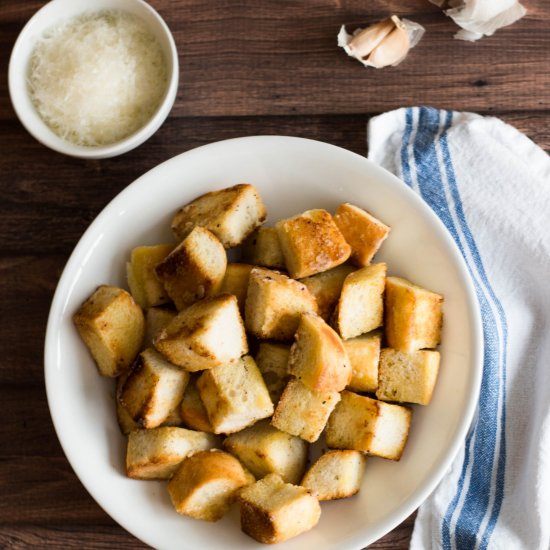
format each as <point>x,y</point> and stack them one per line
<point>47,17</point>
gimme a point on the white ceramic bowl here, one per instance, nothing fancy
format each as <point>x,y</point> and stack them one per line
<point>48,16</point>
<point>292,175</point>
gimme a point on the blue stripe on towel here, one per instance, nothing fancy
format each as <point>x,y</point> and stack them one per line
<point>478,479</point>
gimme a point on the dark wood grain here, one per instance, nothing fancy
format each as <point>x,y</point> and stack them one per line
<point>247,68</point>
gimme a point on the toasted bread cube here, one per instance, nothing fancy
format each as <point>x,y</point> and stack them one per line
<point>326,288</point>
<point>194,269</point>
<point>265,450</point>
<point>207,334</point>
<point>206,484</point>
<point>335,474</point>
<point>413,316</point>
<point>274,304</point>
<point>361,305</point>
<point>234,395</point>
<point>112,326</point>
<point>368,425</point>
<point>125,421</point>
<point>156,318</point>
<point>303,412</point>
<point>362,231</point>
<point>153,389</point>
<point>318,357</point>
<point>157,453</point>
<point>192,410</point>
<point>231,214</point>
<point>273,511</point>
<point>311,243</point>
<point>143,282</point>
<point>407,377</point>
<point>235,282</point>
<point>263,248</point>
<point>272,360</point>
<point>364,356</point>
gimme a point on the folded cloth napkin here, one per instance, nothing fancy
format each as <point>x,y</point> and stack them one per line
<point>490,185</point>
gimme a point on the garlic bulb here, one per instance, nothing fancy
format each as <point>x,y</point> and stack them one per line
<point>385,43</point>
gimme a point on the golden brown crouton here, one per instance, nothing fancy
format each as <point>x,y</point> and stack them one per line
<point>326,288</point>
<point>112,327</point>
<point>413,316</point>
<point>194,269</point>
<point>274,304</point>
<point>125,422</point>
<point>272,360</point>
<point>362,231</point>
<point>231,214</point>
<point>157,453</point>
<point>263,248</point>
<point>234,395</point>
<point>206,484</point>
<point>207,334</point>
<point>235,282</point>
<point>311,243</point>
<point>407,377</point>
<point>368,425</point>
<point>273,511</point>
<point>318,357</point>
<point>361,305</point>
<point>153,389</point>
<point>364,356</point>
<point>192,410</point>
<point>335,474</point>
<point>264,450</point>
<point>143,282</point>
<point>156,319</point>
<point>303,412</point>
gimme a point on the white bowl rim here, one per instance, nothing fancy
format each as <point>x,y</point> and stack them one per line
<point>44,135</point>
<point>421,493</point>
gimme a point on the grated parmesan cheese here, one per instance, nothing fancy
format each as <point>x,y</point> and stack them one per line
<point>97,78</point>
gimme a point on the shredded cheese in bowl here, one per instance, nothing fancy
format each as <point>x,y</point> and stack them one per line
<point>97,78</point>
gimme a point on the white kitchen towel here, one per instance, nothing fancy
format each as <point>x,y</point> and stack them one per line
<point>490,185</point>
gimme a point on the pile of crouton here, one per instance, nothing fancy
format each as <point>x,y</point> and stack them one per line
<point>226,372</point>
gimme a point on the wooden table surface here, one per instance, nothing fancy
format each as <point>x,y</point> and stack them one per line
<point>247,68</point>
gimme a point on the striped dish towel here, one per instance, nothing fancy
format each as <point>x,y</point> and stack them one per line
<point>490,185</point>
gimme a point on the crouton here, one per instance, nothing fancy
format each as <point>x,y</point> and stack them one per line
<point>272,360</point>
<point>263,248</point>
<point>207,334</point>
<point>318,358</point>
<point>143,282</point>
<point>273,511</point>
<point>153,389</point>
<point>264,450</point>
<point>235,282</point>
<point>231,214</point>
<point>368,425</point>
<point>274,304</point>
<point>125,422</point>
<point>194,269</point>
<point>112,326</point>
<point>362,231</point>
<point>303,412</point>
<point>326,288</point>
<point>156,318</point>
<point>311,242</point>
<point>234,395</point>
<point>206,484</point>
<point>407,377</point>
<point>361,306</point>
<point>157,453</point>
<point>364,356</point>
<point>335,475</point>
<point>192,410</point>
<point>413,316</point>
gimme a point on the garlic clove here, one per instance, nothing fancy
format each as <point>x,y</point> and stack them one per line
<point>366,40</point>
<point>391,50</point>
